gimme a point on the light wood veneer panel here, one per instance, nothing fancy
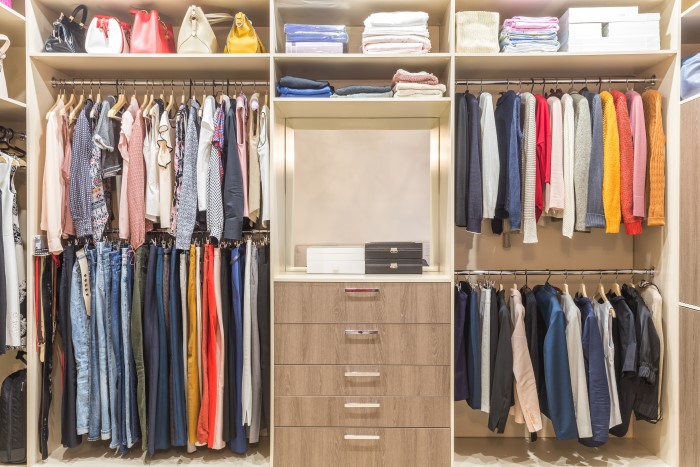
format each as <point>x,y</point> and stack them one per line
<point>396,344</point>
<point>396,447</point>
<point>690,197</point>
<point>334,302</point>
<point>356,380</point>
<point>689,382</point>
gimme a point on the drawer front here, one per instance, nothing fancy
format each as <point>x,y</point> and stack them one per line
<point>362,380</point>
<point>362,344</point>
<point>324,302</point>
<point>369,447</point>
<point>403,412</point>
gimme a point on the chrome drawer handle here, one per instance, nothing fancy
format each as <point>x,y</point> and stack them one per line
<point>362,405</point>
<point>355,290</point>
<point>362,374</point>
<point>362,437</point>
<point>361,332</point>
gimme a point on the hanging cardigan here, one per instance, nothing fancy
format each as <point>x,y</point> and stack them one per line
<point>554,196</point>
<point>582,157</point>
<point>656,149</point>
<point>635,107</point>
<point>595,216</point>
<point>544,152</point>
<point>611,164</point>
<point>567,227</point>
<point>632,226</point>
<point>529,167</point>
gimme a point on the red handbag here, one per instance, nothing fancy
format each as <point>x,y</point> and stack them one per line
<point>150,35</point>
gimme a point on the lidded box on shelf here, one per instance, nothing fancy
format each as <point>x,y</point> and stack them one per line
<point>335,260</point>
<point>394,258</point>
<point>609,29</point>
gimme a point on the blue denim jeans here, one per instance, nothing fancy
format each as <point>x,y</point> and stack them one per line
<point>80,333</point>
<point>101,293</point>
<point>118,431</point>
<point>131,421</point>
<point>162,429</point>
<point>94,425</point>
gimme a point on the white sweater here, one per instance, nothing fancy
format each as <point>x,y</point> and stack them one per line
<point>529,167</point>
<point>567,228</point>
<point>490,163</point>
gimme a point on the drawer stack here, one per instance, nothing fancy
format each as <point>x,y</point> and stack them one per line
<point>362,374</point>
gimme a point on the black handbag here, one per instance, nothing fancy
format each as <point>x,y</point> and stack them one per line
<point>13,413</point>
<point>69,33</point>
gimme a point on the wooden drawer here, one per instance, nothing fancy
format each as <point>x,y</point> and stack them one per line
<point>390,447</point>
<point>354,380</point>
<point>400,412</point>
<point>324,302</point>
<point>335,344</point>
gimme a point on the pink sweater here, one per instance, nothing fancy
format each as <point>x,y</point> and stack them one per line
<point>639,139</point>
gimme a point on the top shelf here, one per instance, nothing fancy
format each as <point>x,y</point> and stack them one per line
<point>12,24</point>
<point>510,8</point>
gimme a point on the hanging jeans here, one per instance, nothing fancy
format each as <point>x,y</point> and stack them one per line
<point>130,420</point>
<point>69,435</point>
<point>95,425</point>
<point>80,333</point>
<point>101,293</point>
<point>118,430</point>
<point>239,444</point>
<point>137,333</point>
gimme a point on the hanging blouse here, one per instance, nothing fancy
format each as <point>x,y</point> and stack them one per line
<point>489,155</point>
<point>204,151</point>
<point>150,155</point>
<point>66,218</point>
<point>264,157</point>
<point>241,140</point>
<point>165,169</point>
<point>215,207</point>
<point>554,193</point>
<point>178,163</point>
<point>124,136</point>
<point>53,183</point>
<point>253,158</point>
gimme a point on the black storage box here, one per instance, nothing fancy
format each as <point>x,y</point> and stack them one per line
<point>393,258</point>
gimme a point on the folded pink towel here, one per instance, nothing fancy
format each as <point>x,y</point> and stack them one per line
<point>403,76</point>
<point>549,23</point>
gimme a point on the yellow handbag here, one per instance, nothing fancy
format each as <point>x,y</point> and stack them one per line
<point>242,39</point>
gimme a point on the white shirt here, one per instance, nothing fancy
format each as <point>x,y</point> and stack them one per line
<point>490,163</point>
<point>264,159</point>
<point>206,132</point>
<point>52,193</point>
<point>577,369</point>
<point>12,278</point>
<point>165,169</point>
<point>150,155</point>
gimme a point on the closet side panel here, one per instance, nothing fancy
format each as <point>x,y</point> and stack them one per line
<point>689,442</point>
<point>689,292</point>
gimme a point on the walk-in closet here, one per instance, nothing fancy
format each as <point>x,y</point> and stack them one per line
<point>259,269</point>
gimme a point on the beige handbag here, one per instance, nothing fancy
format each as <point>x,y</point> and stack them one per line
<point>196,34</point>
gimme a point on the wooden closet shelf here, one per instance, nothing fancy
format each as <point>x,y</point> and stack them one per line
<point>509,8</point>
<point>291,107</point>
<point>12,110</point>
<point>12,25</point>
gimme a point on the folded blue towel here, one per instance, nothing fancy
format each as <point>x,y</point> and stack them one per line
<point>317,37</point>
<point>293,27</point>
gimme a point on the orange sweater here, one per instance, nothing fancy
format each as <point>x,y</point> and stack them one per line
<point>633,225</point>
<point>611,164</point>
<point>656,150</point>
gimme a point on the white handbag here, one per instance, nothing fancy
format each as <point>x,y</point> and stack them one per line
<point>107,35</point>
<point>196,34</point>
<point>3,51</point>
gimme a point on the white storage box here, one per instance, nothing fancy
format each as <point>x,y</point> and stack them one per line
<point>597,14</point>
<point>335,260</point>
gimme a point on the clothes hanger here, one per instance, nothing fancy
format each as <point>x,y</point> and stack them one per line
<point>97,100</point>
<point>121,102</point>
<point>601,288</point>
<point>145,101</point>
<point>566,285</point>
<point>183,101</point>
<point>631,283</point>
<point>500,285</point>
<point>515,281</point>
<point>151,99</point>
<point>582,288</point>
<point>71,102</point>
<point>616,287</point>
<point>171,101</point>
<point>59,98</point>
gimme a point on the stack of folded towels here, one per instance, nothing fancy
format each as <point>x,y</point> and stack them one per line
<point>528,34</point>
<point>291,86</point>
<point>401,32</point>
<point>421,84</point>
<point>316,38</point>
<point>363,92</point>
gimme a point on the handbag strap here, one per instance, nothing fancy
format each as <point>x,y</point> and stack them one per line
<point>80,8</point>
<point>216,18</point>
<point>4,46</point>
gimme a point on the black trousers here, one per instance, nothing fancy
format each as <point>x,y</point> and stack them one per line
<point>69,434</point>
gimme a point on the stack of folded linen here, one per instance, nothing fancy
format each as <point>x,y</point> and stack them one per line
<point>528,34</point>
<point>363,92</point>
<point>421,84</point>
<point>401,32</point>
<point>315,38</point>
<point>291,86</point>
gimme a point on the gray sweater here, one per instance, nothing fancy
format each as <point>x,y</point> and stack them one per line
<point>582,158</point>
<point>595,215</point>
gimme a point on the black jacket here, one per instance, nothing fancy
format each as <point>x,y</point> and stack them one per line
<point>233,180</point>
<point>502,388</point>
<point>625,340</point>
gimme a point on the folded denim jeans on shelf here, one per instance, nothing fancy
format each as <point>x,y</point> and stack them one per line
<point>293,82</point>
<point>362,89</point>
<point>290,92</point>
<point>294,28</point>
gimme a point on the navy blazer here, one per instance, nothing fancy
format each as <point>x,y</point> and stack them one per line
<point>560,402</point>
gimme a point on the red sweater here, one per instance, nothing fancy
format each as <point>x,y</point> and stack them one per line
<point>633,225</point>
<point>544,152</point>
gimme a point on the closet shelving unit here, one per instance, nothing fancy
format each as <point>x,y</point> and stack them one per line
<point>471,443</point>
<point>13,114</point>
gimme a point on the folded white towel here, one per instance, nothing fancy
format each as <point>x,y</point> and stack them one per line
<point>417,93</point>
<point>380,31</point>
<point>400,38</point>
<point>396,47</point>
<point>397,18</point>
<point>419,87</point>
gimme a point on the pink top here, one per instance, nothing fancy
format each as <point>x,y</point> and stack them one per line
<point>242,140</point>
<point>554,195</point>
<point>124,135</point>
<point>639,140</point>
<point>67,218</point>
